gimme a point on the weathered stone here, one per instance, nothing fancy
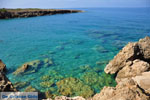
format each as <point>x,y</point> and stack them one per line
<point>144,45</point>
<point>143,81</point>
<point>5,84</point>
<point>129,53</point>
<point>127,90</point>
<point>2,66</point>
<point>28,67</point>
<point>130,71</point>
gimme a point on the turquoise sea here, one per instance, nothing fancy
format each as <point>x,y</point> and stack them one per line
<point>79,46</point>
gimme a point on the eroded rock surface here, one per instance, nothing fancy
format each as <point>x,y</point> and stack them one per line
<point>5,84</point>
<point>2,66</point>
<point>138,50</point>
<point>143,81</point>
<point>133,69</point>
<point>126,90</point>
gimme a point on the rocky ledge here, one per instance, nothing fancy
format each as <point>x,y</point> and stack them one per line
<point>131,67</point>
<point>18,13</point>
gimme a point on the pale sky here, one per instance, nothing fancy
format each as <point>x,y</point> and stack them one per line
<point>72,3</point>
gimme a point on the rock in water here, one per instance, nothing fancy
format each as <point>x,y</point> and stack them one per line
<point>2,66</point>
<point>5,84</point>
<point>28,67</point>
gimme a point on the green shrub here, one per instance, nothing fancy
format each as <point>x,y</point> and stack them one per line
<point>3,10</point>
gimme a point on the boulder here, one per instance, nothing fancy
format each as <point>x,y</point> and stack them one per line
<point>126,90</point>
<point>131,70</point>
<point>28,67</point>
<point>143,81</point>
<point>129,53</point>
<point>144,45</point>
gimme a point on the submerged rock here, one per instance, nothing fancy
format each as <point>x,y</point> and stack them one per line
<point>46,84</point>
<point>33,66</point>
<point>28,67</point>
<point>19,85</point>
<point>100,49</point>
<point>30,89</point>
<point>74,87</point>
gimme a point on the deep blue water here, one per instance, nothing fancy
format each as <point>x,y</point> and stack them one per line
<point>70,40</point>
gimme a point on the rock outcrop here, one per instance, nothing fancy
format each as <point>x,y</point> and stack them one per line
<point>5,84</point>
<point>132,68</point>
<point>18,13</point>
<point>138,50</point>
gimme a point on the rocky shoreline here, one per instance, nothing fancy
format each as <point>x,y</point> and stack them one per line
<point>131,67</point>
<point>20,13</point>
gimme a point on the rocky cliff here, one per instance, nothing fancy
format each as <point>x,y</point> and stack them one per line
<point>18,13</point>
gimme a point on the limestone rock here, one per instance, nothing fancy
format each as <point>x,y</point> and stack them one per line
<point>127,90</point>
<point>136,68</point>
<point>2,66</point>
<point>144,45</point>
<point>5,84</point>
<point>143,81</point>
<point>128,53</point>
<point>28,67</point>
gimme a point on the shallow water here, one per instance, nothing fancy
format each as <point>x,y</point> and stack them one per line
<point>74,42</point>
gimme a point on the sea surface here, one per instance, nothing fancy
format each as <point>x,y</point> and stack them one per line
<point>78,46</point>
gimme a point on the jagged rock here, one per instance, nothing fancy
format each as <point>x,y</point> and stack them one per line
<point>28,67</point>
<point>132,69</point>
<point>143,81</point>
<point>144,45</point>
<point>127,90</point>
<point>2,66</point>
<point>5,84</point>
<point>132,51</point>
<point>33,66</point>
<point>128,53</point>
